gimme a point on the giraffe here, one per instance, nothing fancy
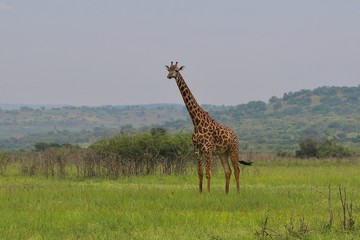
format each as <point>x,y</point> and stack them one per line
<point>209,137</point>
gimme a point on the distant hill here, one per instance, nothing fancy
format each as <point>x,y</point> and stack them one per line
<point>283,122</point>
<point>276,125</point>
<point>5,106</point>
<point>23,126</point>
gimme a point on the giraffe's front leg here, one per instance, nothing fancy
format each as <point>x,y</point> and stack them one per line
<point>208,156</point>
<point>200,169</point>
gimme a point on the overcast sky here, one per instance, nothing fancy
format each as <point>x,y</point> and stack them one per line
<point>92,52</point>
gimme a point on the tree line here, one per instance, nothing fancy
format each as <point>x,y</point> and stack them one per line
<point>279,124</point>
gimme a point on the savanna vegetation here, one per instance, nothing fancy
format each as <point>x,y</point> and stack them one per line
<point>137,186</point>
<point>155,152</point>
<point>100,176</point>
<point>278,125</point>
<point>73,196</point>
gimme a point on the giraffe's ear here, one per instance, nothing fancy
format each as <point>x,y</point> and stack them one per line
<point>167,67</point>
<point>181,68</point>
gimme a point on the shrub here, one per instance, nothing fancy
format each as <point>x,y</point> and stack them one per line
<point>309,147</point>
<point>4,160</point>
<point>321,148</point>
<point>146,153</point>
<point>329,148</point>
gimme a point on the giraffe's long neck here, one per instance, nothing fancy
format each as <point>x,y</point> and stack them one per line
<point>192,106</point>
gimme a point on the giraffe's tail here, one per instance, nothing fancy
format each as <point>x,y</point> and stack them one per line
<point>245,163</point>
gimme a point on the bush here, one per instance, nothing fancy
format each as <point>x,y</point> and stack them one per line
<point>43,146</point>
<point>123,155</point>
<point>146,153</point>
<point>321,148</point>
<point>4,160</point>
<point>329,148</point>
<point>309,147</point>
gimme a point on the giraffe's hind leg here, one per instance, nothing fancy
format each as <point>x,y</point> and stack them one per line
<point>234,159</point>
<point>225,163</point>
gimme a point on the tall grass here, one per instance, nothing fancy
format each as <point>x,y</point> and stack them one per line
<point>281,199</point>
<point>123,155</point>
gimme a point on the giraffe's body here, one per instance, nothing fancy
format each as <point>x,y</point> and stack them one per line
<point>209,137</point>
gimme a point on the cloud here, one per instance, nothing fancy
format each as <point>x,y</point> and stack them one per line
<point>4,7</point>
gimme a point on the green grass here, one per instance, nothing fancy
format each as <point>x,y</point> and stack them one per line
<point>170,207</point>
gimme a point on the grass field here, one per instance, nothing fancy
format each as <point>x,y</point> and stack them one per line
<point>285,199</point>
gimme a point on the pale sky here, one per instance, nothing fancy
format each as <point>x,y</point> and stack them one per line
<point>113,52</point>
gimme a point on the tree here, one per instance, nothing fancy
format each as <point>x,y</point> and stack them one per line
<point>158,131</point>
<point>309,147</point>
<point>321,148</point>
<point>329,148</point>
<point>274,99</point>
<point>41,146</point>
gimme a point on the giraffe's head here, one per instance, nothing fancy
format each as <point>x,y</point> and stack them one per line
<point>173,70</point>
